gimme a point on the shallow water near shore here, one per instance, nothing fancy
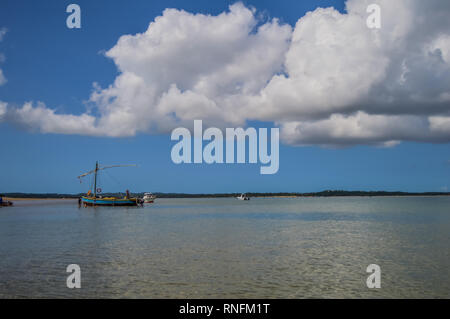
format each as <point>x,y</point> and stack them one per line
<point>225,248</point>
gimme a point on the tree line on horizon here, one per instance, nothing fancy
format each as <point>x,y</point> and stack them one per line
<point>326,193</point>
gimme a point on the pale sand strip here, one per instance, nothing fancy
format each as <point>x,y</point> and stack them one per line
<point>27,199</point>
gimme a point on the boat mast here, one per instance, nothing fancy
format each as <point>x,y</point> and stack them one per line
<point>96,170</point>
<point>95,179</point>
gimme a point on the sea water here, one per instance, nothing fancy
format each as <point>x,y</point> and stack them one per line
<point>225,248</point>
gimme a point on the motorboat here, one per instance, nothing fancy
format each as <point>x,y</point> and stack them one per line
<point>149,198</point>
<point>243,196</point>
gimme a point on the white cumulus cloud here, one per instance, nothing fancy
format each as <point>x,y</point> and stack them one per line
<point>49,122</point>
<point>362,128</point>
<point>329,80</point>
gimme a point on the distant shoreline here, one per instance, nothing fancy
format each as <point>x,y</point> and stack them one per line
<point>328,193</point>
<point>210,197</point>
<point>32,198</point>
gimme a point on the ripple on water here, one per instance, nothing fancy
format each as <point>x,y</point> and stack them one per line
<point>223,248</point>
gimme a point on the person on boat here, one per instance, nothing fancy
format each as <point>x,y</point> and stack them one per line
<point>127,194</point>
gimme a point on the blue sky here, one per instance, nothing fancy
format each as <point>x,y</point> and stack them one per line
<point>45,61</point>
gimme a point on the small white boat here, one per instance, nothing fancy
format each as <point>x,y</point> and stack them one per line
<point>149,198</point>
<point>243,197</point>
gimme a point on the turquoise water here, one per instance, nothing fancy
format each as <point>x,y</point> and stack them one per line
<point>225,248</point>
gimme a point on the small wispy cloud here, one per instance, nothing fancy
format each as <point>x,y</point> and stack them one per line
<point>2,78</point>
<point>2,57</point>
<point>2,33</point>
<point>3,107</point>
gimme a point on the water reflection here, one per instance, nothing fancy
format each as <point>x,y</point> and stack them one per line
<point>223,248</point>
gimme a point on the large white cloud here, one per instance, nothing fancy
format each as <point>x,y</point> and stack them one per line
<point>362,128</point>
<point>187,67</point>
<point>333,61</point>
<point>330,80</point>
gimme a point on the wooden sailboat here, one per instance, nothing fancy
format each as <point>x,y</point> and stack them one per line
<point>93,199</point>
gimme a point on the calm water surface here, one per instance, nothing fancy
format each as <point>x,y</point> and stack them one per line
<point>224,248</point>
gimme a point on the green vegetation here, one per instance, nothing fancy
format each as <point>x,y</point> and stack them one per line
<point>327,193</point>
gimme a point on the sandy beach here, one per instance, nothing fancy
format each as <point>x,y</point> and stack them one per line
<point>29,199</point>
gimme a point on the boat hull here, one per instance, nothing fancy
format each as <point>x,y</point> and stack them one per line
<point>5,204</point>
<point>91,201</point>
